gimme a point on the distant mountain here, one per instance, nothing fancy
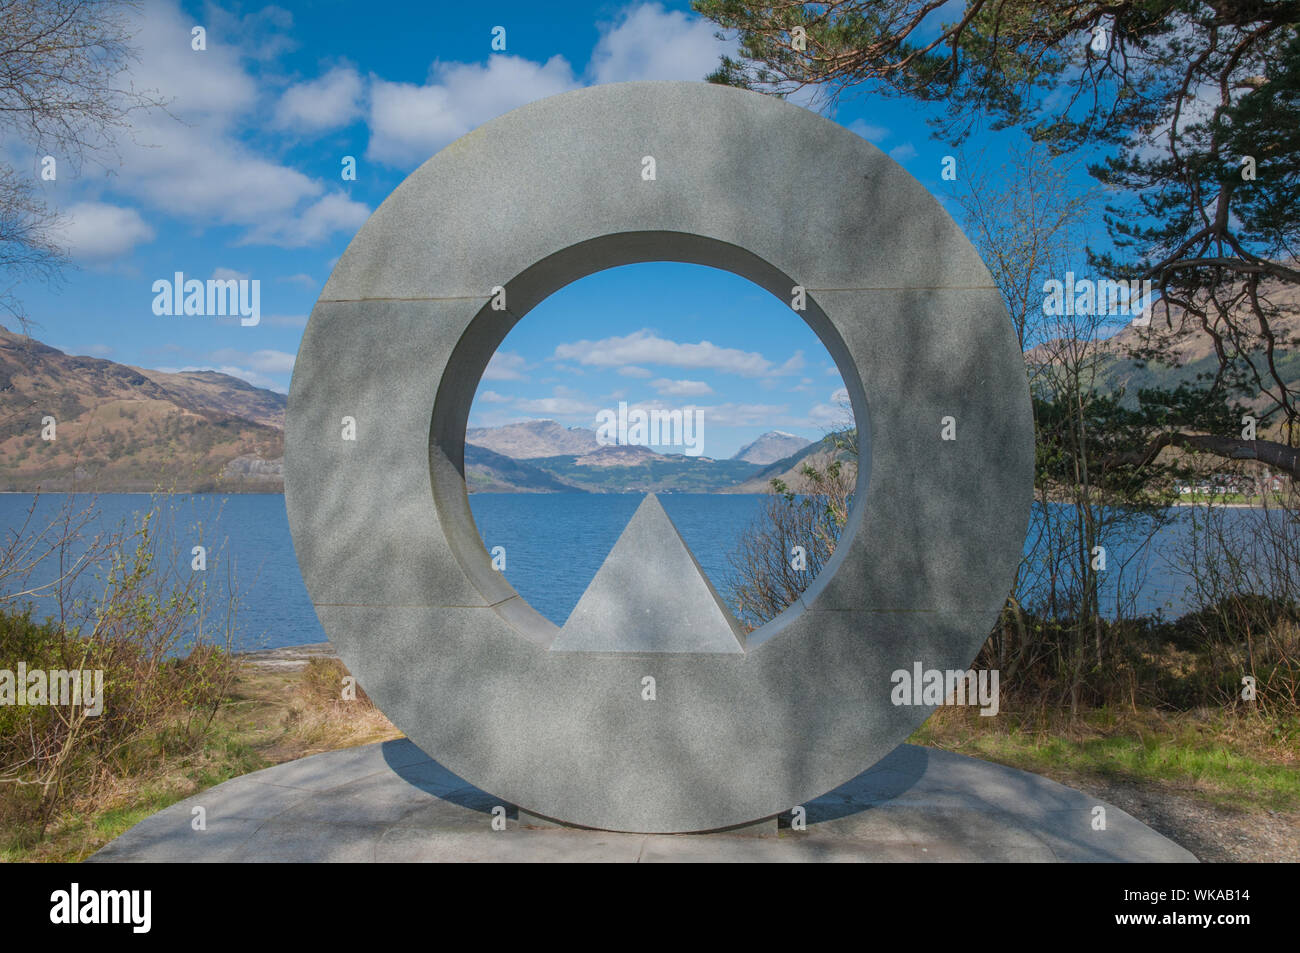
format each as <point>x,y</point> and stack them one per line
<point>224,394</point>
<point>770,447</point>
<point>789,469</point>
<point>1193,348</point>
<point>122,428</point>
<point>1192,344</point>
<point>533,438</point>
<point>488,472</point>
<point>641,470</point>
<point>572,458</point>
<point>622,455</point>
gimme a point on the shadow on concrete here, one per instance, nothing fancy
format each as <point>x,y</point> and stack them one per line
<point>893,775</point>
<point>420,771</point>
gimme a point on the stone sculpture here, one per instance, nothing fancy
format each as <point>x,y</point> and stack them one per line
<point>740,726</point>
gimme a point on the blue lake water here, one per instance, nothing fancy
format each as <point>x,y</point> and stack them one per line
<point>554,545</point>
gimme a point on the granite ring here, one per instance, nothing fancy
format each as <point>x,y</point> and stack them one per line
<point>398,341</point>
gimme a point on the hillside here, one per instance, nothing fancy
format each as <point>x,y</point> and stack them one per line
<point>770,447</point>
<point>645,471</point>
<point>488,472</point>
<point>624,455</point>
<point>533,438</point>
<point>1189,345</point>
<point>121,428</point>
<point>788,469</point>
<point>574,461</point>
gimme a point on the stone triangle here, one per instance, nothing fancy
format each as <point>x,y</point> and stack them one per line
<point>650,595</point>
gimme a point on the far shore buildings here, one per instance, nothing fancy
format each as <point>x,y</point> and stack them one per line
<point>1248,484</point>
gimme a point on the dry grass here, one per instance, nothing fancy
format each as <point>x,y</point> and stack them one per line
<point>1218,758</point>
<point>273,715</point>
<point>1225,785</point>
<point>1198,777</point>
<point>318,718</point>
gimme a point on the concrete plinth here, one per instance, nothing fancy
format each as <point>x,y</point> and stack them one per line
<point>391,802</point>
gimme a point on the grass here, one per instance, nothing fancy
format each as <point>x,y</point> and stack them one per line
<point>270,717</point>
<point>1226,761</point>
<point>1240,763</point>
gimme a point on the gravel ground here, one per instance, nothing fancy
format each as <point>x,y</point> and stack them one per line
<point>1214,834</point>
<point>292,658</point>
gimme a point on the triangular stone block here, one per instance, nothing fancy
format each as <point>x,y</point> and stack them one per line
<point>650,595</point>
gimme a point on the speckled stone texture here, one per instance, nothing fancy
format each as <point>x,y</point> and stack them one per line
<point>399,339</point>
<point>389,802</point>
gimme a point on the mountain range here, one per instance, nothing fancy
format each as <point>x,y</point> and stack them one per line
<point>1116,368</point>
<point>770,447</point>
<point>536,455</point>
<point>71,422</point>
<point>116,427</point>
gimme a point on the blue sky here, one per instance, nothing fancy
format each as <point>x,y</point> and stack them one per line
<point>242,179</point>
<point>691,337</point>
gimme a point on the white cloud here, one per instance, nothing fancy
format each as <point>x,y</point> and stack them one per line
<point>212,81</point>
<point>649,42</point>
<point>792,365</point>
<point>505,366</point>
<point>409,123</point>
<point>193,161</point>
<point>99,350</point>
<point>672,388</point>
<point>836,413</point>
<point>98,231</point>
<point>228,274</point>
<point>646,347</point>
<point>562,406</point>
<point>744,415</point>
<point>492,397</point>
<point>332,213</point>
<point>329,102</point>
<point>264,35</point>
<point>631,370</point>
<point>869,131</point>
<point>286,320</point>
<point>264,361</point>
<point>903,153</point>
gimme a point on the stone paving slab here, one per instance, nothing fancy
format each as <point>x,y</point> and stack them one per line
<point>390,802</point>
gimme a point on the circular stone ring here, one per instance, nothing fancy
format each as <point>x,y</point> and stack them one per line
<point>375,439</point>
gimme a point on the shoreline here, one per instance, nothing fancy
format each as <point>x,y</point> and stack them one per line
<point>724,492</point>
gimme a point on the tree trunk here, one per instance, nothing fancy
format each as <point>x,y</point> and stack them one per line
<point>1277,455</point>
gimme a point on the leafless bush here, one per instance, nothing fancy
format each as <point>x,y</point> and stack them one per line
<point>1243,569</point>
<point>114,601</point>
<point>810,516</point>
